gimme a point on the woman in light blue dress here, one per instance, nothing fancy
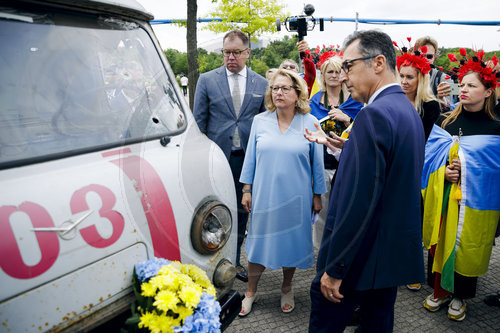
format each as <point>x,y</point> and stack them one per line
<point>283,181</point>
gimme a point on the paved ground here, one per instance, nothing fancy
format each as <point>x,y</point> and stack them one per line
<point>410,315</point>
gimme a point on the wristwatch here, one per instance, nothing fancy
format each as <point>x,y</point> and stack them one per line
<point>246,191</point>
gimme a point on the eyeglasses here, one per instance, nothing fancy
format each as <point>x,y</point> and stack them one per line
<point>346,65</point>
<point>284,89</point>
<point>429,56</point>
<point>235,53</point>
<point>288,66</point>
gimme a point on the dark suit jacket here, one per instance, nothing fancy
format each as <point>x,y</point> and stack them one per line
<point>373,235</point>
<point>214,112</point>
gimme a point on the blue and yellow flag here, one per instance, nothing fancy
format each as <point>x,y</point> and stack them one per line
<point>462,224</point>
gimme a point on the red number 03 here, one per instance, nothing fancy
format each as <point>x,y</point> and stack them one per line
<point>90,234</point>
<point>11,260</point>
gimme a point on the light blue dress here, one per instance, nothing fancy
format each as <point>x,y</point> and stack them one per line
<point>284,170</point>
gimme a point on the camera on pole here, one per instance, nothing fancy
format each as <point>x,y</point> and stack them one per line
<point>301,23</point>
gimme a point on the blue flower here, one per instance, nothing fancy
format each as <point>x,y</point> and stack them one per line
<point>149,268</point>
<point>205,319</point>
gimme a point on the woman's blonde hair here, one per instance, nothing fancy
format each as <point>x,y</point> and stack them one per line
<point>336,63</point>
<point>302,105</point>
<point>489,104</point>
<point>424,92</point>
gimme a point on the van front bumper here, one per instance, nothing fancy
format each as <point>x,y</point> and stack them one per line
<point>230,305</point>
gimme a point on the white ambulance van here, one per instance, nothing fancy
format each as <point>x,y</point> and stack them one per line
<point>102,166</point>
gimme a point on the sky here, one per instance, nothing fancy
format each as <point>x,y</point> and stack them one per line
<point>478,37</point>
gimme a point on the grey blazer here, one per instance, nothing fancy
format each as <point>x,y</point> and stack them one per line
<point>214,112</point>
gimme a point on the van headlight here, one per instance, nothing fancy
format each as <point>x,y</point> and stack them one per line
<point>211,227</point>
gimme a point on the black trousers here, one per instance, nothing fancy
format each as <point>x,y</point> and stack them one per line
<point>236,162</point>
<point>376,310</point>
<point>465,287</point>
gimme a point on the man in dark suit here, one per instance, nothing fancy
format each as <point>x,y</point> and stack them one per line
<point>225,102</point>
<point>372,241</point>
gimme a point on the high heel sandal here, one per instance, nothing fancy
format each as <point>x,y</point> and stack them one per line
<point>287,299</point>
<point>246,305</point>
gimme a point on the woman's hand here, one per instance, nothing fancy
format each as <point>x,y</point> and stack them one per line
<point>246,202</point>
<point>338,115</point>
<point>335,143</point>
<point>452,171</point>
<point>317,204</point>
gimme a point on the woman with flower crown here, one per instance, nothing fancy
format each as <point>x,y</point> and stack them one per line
<point>414,76</point>
<point>461,187</point>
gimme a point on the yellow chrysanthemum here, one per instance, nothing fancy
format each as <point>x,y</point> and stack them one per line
<point>183,312</point>
<point>196,271</point>
<point>211,291</point>
<point>175,265</point>
<point>166,324</point>
<point>154,324</point>
<point>146,319</point>
<point>148,289</point>
<point>166,300</point>
<point>190,295</point>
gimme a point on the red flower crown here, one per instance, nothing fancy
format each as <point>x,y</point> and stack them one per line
<point>475,62</point>
<point>412,57</point>
<point>321,55</point>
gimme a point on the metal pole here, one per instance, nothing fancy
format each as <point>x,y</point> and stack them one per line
<point>357,20</point>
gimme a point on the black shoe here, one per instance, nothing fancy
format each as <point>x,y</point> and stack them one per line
<point>493,300</point>
<point>241,273</point>
<point>355,319</point>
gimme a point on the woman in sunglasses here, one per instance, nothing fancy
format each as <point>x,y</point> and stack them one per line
<point>283,181</point>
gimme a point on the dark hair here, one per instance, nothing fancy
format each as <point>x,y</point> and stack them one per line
<point>373,42</point>
<point>237,34</point>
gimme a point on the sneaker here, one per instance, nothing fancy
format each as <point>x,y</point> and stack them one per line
<point>456,309</point>
<point>433,304</point>
<point>414,286</point>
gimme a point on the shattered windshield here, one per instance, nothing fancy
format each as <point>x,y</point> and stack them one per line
<point>74,81</point>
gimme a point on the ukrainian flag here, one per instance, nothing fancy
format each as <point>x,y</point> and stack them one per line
<point>461,220</point>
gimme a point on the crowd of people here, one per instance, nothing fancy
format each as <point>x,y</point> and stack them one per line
<point>366,157</point>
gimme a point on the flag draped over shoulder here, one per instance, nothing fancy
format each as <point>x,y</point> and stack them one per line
<point>461,220</point>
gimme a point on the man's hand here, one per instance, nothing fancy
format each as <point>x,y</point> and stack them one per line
<point>330,288</point>
<point>302,46</point>
<point>335,143</point>
<point>443,90</point>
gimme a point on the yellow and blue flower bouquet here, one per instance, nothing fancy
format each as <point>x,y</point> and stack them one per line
<point>173,297</point>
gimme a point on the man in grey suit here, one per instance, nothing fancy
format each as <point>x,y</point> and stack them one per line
<point>225,102</point>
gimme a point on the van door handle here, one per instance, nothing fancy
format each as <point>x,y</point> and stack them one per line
<point>67,229</point>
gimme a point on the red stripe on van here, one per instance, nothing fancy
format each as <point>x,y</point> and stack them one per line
<point>156,205</point>
<point>116,152</point>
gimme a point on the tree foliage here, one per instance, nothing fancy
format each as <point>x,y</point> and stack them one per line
<point>272,56</point>
<point>254,17</point>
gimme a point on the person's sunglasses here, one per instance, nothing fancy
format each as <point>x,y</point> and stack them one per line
<point>288,66</point>
<point>346,65</point>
